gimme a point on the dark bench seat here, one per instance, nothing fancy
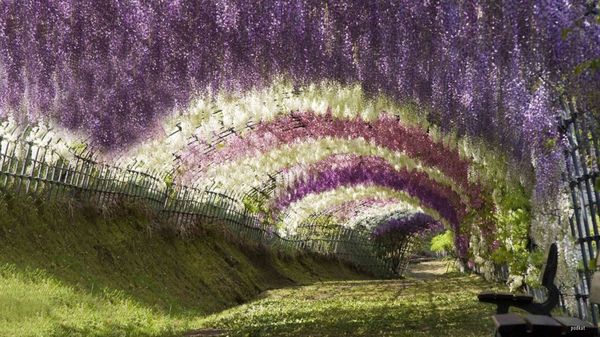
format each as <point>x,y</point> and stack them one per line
<point>538,321</point>
<point>509,325</point>
<point>513,325</point>
<point>573,327</point>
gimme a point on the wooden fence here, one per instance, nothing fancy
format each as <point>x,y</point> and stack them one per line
<point>36,169</point>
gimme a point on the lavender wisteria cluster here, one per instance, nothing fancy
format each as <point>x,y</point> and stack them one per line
<point>348,170</point>
<point>488,71</point>
<point>113,68</point>
<point>409,224</point>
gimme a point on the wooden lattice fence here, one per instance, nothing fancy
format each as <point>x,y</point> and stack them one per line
<point>35,169</point>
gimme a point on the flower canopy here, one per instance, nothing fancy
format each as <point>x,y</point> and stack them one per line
<point>440,112</point>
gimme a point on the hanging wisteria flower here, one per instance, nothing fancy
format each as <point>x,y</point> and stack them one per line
<point>354,170</point>
<point>316,203</point>
<point>246,94</point>
<point>413,223</point>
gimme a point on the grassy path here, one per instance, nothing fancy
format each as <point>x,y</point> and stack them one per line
<point>429,302</point>
<point>70,269</point>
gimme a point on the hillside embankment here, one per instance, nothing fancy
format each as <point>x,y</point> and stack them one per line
<point>71,268</point>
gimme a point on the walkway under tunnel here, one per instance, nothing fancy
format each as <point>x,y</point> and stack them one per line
<point>294,167</point>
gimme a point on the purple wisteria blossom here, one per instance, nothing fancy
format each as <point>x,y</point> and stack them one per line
<point>386,132</point>
<point>112,68</point>
<point>483,69</point>
<point>412,223</point>
<point>354,170</point>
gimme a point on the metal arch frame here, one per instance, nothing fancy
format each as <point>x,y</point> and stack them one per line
<point>582,157</point>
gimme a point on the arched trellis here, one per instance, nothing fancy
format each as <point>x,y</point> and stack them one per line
<point>373,201</point>
<point>388,238</point>
<point>353,170</point>
<point>415,147</point>
<point>285,176</point>
<point>263,149</point>
<point>385,131</point>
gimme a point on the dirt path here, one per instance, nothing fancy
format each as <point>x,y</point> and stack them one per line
<point>427,270</point>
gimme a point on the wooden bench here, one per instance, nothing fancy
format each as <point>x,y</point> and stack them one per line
<point>504,301</point>
<point>513,325</point>
<point>534,324</point>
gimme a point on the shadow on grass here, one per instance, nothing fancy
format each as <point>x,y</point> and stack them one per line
<point>444,306</point>
<point>97,265</point>
<point>109,330</point>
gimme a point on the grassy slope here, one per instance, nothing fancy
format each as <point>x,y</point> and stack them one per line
<point>445,305</point>
<point>68,270</point>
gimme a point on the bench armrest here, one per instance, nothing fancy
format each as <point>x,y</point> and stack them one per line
<point>490,297</point>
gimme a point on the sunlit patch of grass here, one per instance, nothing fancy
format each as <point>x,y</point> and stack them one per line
<point>71,269</point>
<point>35,304</point>
<point>444,306</point>
<point>89,274</point>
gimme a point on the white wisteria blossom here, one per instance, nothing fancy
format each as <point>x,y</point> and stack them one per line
<point>211,113</point>
<point>314,203</point>
<point>252,170</point>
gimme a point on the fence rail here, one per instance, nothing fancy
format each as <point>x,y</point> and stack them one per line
<point>582,157</point>
<point>35,169</point>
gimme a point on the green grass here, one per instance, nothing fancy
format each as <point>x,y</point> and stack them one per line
<point>442,306</point>
<point>36,304</point>
<point>70,269</point>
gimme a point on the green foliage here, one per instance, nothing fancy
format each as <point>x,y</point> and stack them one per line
<point>508,216</point>
<point>550,144</point>
<point>79,147</point>
<point>591,65</point>
<point>251,205</point>
<point>513,219</point>
<point>443,242</point>
<point>169,180</point>
<point>500,256</point>
<point>422,245</point>
<point>564,34</point>
<point>258,205</point>
<point>591,265</point>
<point>324,220</point>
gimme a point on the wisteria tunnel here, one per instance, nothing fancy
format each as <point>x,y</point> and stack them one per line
<point>238,146</point>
